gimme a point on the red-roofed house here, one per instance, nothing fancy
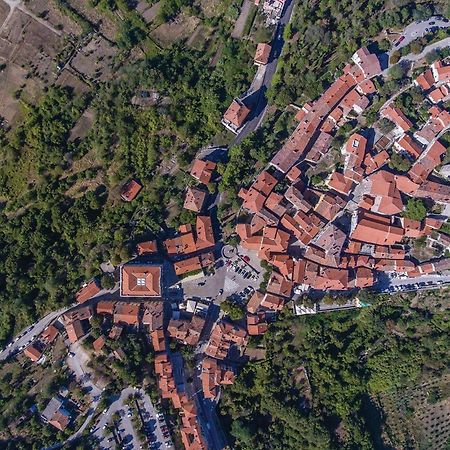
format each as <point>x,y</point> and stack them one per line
<point>409,145</point>
<point>140,280</point>
<point>130,190</point>
<point>87,291</point>
<point>147,247</point>
<point>195,199</point>
<point>235,115</point>
<point>203,170</point>
<point>262,54</point>
<point>33,353</point>
<point>396,115</point>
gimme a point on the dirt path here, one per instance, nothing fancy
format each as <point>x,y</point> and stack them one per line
<point>242,19</point>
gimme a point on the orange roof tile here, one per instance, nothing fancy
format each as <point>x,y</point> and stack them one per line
<point>203,170</point>
<point>130,190</point>
<point>140,280</point>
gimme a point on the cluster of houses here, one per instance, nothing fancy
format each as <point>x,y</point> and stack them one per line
<point>337,237</point>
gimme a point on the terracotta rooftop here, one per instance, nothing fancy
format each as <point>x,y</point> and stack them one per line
<point>236,113</point>
<point>203,170</point>
<point>140,280</point>
<point>147,247</point>
<point>195,199</point>
<point>87,291</point>
<point>49,334</point>
<point>98,344</point>
<point>33,353</point>
<point>105,307</point>
<point>130,190</point>
<point>127,313</point>
<point>262,53</point>
<point>395,114</point>
<point>75,331</point>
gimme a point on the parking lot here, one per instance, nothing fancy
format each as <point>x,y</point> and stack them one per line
<point>233,277</point>
<point>115,424</point>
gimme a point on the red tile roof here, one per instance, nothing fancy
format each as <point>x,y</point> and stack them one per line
<point>375,229</point>
<point>236,113</point>
<point>130,190</point>
<point>98,344</point>
<point>340,183</point>
<point>396,115</point>
<point>408,144</point>
<point>195,199</point>
<point>126,313</point>
<point>147,247</point>
<point>33,353</point>
<point>262,53</point>
<point>87,291</point>
<point>203,170</point>
<point>140,280</point>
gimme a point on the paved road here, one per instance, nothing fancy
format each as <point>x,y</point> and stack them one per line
<point>259,111</point>
<point>436,46</point>
<point>424,282</point>
<point>29,334</point>
<point>418,29</point>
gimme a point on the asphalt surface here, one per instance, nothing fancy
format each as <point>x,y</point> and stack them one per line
<point>125,429</point>
<point>29,334</point>
<point>424,282</point>
<point>260,102</point>
<point>416,30</point>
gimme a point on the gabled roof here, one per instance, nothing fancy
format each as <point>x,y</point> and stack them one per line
<point>262,53</point>
<point>126,313</point>
<point>75,331</point>
<point>87,291</point>
<point>130,190</point>
<point>195,199</point>
<point>33,353</point>
<point>396,115</point>
<point>203,170</point>
<point>147,247</point>
<point>236,113</point>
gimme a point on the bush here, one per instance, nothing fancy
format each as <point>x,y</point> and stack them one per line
<point>415,209</point>
<point>231,309</point>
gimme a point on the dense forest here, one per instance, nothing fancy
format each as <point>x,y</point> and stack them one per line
<point>349,358</point>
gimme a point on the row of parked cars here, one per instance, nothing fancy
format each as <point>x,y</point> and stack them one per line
<point>150,429</point>
<point>242,270</point>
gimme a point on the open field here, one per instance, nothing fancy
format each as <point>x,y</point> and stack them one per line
<point>28,48</point>
<point>50,13</point>
<point>420,414</point>
<point>180,28</point>
<point>105,22</point>
<point>4,10</point>
<point>148,12</point>
<point>95,60</point>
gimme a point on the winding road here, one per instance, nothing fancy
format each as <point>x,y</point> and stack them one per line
<point>260,103</point>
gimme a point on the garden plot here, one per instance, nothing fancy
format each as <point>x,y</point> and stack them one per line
<point>180,28</point>
<point>50,12</point>
<point>95,60</point>
<point>28,49</point>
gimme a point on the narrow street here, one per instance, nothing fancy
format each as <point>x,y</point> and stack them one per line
<point>260,105</point>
